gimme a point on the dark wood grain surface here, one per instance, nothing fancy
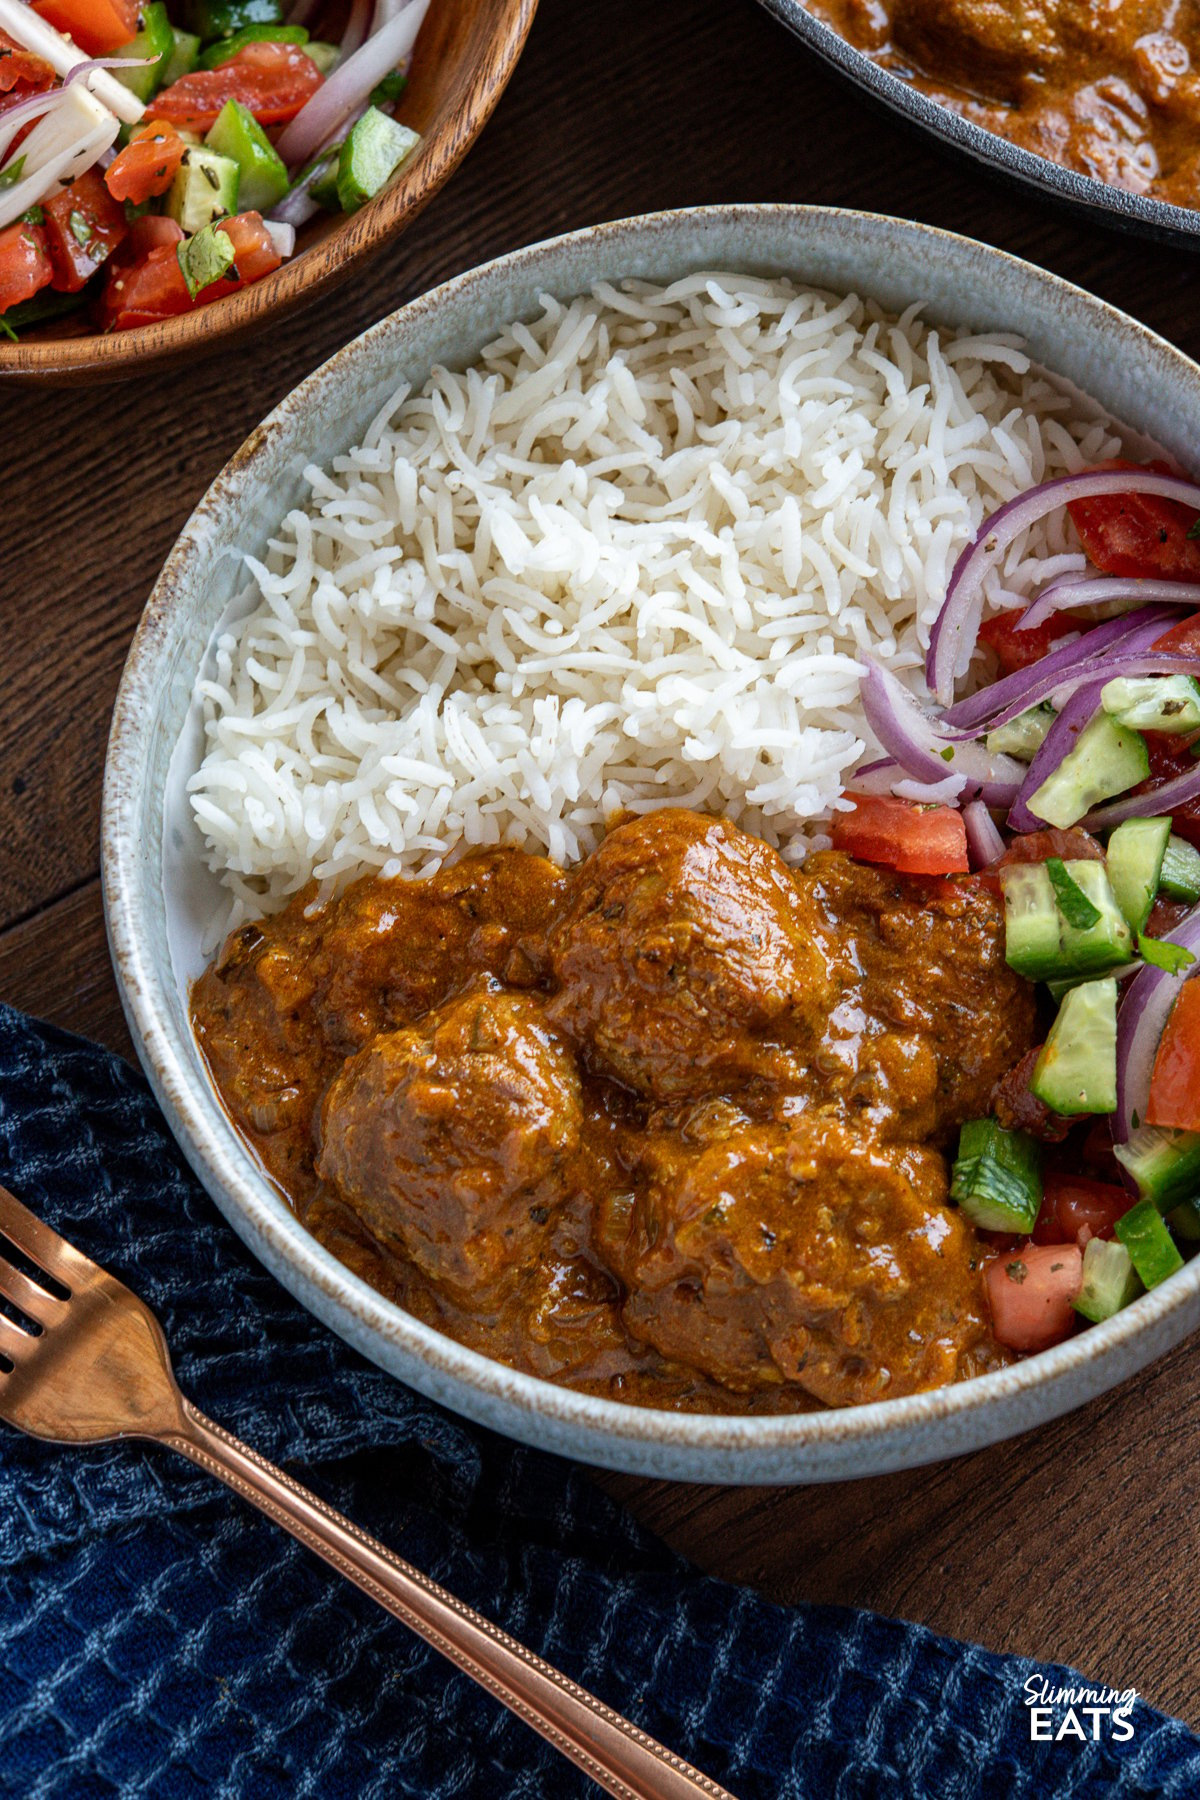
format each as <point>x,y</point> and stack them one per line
<point>1076,1542</point>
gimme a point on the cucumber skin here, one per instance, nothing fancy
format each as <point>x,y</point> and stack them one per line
<point>997,1177</point>
<point>1164,1164</point>
<point>1180,874</point>
<point>1150,1245</point>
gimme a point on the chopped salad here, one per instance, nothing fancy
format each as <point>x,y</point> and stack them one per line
<point>156,157</point>
<point>1071,778</point>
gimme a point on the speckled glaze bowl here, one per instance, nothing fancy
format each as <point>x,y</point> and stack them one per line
<point>156,891</point>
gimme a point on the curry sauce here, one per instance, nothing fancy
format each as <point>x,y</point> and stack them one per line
<point>669,1127</point>
<point>1110,88</point>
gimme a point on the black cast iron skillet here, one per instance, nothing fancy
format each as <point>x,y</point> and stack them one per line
<point>1080,194</point>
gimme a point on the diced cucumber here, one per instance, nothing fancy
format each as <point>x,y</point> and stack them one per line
<point>1110,1280</point>
<point>221,18</point>
<point>153,38</point>
<point>1023,736</point>
<point>226,48</point>
<point>322,183</point>
<point>1106,759</point>
<point>205,188</point>
<point>1165,1164</point>
<point>1150,1245</point>
<point>1135,858</point>
<point>1154,702</point>
<point>1041,944</point>
<point>1184,1221</point>
<point>998,1177</point>
<point>185,55</point>
<point>262,172</point>
<point>389,90</point>
<point>1077,1069</point>
<point>374,149</point>
<point>1180,876</point>
<point>205,257</point>
<point>326,56</point>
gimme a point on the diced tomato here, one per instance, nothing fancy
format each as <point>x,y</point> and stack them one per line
<point>1073,845</point>
<point>1175,1083</point>
<point>1138,534</point>
<point>1032,1291</point>
<point>146,166</point>
<point>1165,915</point>
<point>150,286</point>
<point>254,255</point>
<point>25,266</point>
<point>84,225</point>
<point>1171,755</point>
<point>20,68</point>
<point>98,26</point>
<point>1075,1210</point>
<point>273,80</point>
<point>916,839</point>
<point>1182,638</point>
<point>143,291</point>
<point>150,232</point>
<point>1018,649</point>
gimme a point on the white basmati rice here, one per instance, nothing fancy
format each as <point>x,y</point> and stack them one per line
<point>630,557</point>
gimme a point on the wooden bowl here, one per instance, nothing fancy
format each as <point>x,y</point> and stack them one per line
<point>462,62</point>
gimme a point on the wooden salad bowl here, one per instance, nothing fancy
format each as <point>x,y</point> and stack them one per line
<point>462,61</point>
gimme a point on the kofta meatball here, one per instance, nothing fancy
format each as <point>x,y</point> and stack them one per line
<point>929,1015</point>
<point>684,945</point>
<point>453,1139</point>
<point>762,1254</point>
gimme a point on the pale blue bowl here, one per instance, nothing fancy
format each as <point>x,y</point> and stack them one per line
<point>157,894</point>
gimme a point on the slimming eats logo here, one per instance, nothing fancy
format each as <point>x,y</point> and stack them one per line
<point>1096,1713</point>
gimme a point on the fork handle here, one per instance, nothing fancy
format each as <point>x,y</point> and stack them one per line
<point>623,1760</point>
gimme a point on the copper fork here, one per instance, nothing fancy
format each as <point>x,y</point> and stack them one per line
<point>89,1365</point>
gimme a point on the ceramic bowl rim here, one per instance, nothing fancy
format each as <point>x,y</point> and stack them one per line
<point>218,1156</point>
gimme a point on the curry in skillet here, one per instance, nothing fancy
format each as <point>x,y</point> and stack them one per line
<point>1108,87</point>
<point>670,1126</point>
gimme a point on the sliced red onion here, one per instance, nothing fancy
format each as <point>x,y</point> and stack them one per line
<point>1102,590</point>
<point>918,746</point>
<point>1141,1020</point>
<point>337,99</point>
<point>1125,660</point>
<point>1169,797</point>
<point>282,235</point>
<point>82,70</point>
<point>983,836</point>
<point>14,117</point>
<point>950,644</point>
<point>1061,738</point>
<point>296,208</point>
<point>1016,690</point>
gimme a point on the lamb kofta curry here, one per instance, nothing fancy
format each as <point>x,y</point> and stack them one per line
<point>669,1127</point>
<point>1108,87</point>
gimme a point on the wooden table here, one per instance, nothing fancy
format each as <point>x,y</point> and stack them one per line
<point>1073,1543</point>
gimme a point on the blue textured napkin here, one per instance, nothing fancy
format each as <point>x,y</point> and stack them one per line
<point>160,1639</point>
